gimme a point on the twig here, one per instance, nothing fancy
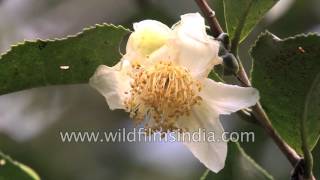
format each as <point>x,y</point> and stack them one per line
<point>211,17</point>
<point>299,172</point>
<point>261,116</point>
<point>247,116</point>
<point>302,167</point>
<point>257,110</point>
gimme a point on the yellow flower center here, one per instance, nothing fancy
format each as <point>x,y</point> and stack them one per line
<point>161,94</point>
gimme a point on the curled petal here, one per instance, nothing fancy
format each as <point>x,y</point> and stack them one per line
<point>225,98</point>
<point>198,51</point>
<point>113,84</point>
<point>151,24</point>
<point>211,154</point>
<point>148,36</point>
<point>193,26</point>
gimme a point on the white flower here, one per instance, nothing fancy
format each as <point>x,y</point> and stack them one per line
<point>162,82</point>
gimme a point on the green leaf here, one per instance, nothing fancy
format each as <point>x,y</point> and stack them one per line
<point>215,76</point>
<point>312,111</point>
<point>238,166</point>
<point>285,72</point>
<point>44,62</point>
<point>12,170</point>
<point>242,15</point>
<point>316,160</point>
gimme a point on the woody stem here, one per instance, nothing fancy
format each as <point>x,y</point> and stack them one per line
<point>257,111</point>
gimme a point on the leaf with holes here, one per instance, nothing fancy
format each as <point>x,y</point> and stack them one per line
<point>286,72</point>
<point>10,169</point>
<point>71,60</point>
<point>242,15</point>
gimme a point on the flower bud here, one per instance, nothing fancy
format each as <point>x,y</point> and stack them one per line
<point>230,64</point>
<point>147,40</point>
<point>224,39</point>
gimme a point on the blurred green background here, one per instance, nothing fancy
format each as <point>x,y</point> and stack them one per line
<point>30,121</point>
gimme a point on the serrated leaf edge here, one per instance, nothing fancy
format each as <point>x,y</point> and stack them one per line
<point>275,38</point>
<point>84,30</point>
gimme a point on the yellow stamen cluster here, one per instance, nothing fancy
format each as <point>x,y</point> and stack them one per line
<point>161,94</point>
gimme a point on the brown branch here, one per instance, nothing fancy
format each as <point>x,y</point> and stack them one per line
<point>299,172</point>
<point>300,167</point>
<point>210,17</point>
<point>263,119</point>
<point>261,116</point>
<point>257,110</point>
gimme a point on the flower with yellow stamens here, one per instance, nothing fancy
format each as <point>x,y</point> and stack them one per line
<point>162,82</point>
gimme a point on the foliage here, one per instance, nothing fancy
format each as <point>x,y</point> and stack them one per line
<point>286,72</point>
<point>240,165</point>
<point>71,60</point>
<point>240,22</point>
<point>10,169</point>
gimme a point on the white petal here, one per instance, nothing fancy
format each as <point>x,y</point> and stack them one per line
<point>227,98</point>
<point>112,84</point>
<point>152,24</point>
<point>198,51</point>
<point>148,36</point>
<point>211,154</point>
<point>193,25</point>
